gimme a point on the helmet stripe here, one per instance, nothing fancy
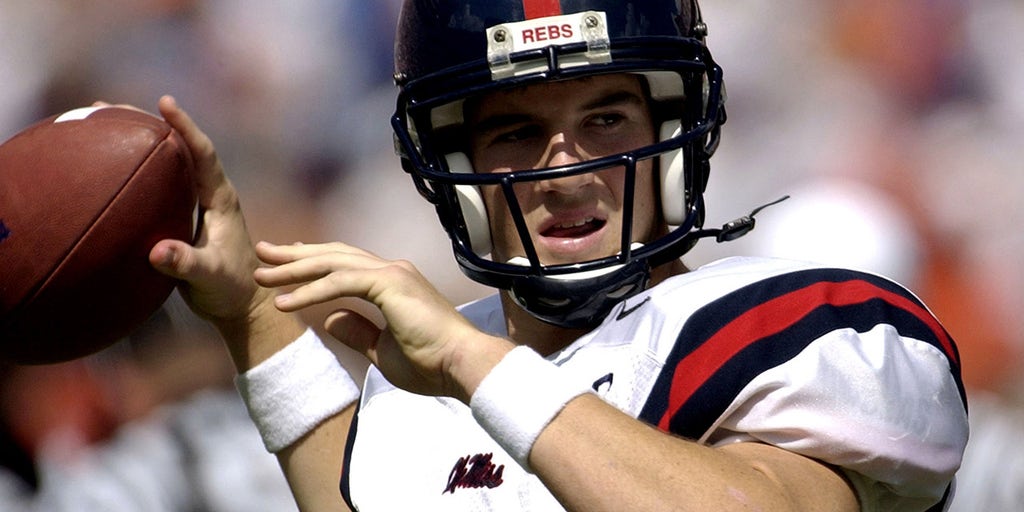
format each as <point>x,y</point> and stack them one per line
<point>541,8</point>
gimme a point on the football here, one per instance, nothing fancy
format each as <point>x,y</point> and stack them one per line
<point>84,196</point>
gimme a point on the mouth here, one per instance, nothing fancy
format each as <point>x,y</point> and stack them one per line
<point>572,238</point>
<point>579,228</point>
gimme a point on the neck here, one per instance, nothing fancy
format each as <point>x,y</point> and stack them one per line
<point>546,339</point>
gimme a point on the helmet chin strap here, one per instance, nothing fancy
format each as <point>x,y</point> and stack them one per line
<point>523,262</point>
<point>735,228</point>
<point>582,301</point>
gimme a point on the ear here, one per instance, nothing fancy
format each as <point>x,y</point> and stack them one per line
<point>672,179</point>
<point>471,202</point>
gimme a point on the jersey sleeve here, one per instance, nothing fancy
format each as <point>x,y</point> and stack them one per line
<point>844,367</point>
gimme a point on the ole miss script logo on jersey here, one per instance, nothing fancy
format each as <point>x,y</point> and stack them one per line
<point>474,472</point>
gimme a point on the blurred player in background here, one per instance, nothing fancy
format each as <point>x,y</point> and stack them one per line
<point>151,423</point>
<point>565,146</point>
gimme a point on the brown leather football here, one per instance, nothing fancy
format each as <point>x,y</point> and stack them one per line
<point>84,196</point>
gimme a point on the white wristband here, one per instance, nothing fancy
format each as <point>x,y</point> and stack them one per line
<point>294,390</point>
<point>519,397</point>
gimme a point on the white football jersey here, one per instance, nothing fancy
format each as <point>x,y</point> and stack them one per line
<point>841,366</point>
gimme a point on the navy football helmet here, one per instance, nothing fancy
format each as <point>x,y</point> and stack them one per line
<point>450,50</point>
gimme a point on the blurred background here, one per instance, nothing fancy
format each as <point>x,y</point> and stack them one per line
<point>896,126</point>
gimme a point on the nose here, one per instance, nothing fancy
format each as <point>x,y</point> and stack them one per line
<point>562,151</point>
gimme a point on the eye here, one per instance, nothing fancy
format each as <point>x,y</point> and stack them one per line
<point>515,135</point>
<point>607,120</point>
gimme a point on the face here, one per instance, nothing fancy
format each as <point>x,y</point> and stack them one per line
<point>575,218</point>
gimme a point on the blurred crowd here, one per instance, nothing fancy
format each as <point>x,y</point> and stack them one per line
<point>895,127</point>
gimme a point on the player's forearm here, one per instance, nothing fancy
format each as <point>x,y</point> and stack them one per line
<point>313,464</point>
<point>302,401</point>
<point>594,458</point>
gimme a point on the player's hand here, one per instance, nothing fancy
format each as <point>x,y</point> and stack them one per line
<point>218,267</point>
<point>427,347</point>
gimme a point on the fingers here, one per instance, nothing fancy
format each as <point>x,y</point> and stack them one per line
<point>213,187</point>
<point>198,142</point>
<point>274,254</point>
<point>325,272</point>
<point>293,264</point>
<point>325,277</point>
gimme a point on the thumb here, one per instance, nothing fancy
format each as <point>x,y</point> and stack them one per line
<point>173,258</point>
<point>354,330</point>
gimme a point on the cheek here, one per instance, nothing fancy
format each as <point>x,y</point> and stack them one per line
<point>504,237</point>
<point>643,198</point>
<point>645,203</point>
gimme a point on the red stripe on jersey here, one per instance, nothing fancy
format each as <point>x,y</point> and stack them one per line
<point>541,8</point>
<point>773,317</point>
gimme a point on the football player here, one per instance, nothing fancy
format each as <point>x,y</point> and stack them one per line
<point>565,146</point>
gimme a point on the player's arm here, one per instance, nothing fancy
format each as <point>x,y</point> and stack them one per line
<point>219,286</point>
<point>592,447</point>
<point>313,464</point>
<point>594,457</point>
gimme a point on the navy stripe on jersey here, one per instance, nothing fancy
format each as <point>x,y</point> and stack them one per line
<point>732,340</point>
<point>343,485</point>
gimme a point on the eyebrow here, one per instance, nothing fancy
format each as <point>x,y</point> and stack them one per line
<point>498,121</point>
<point>615,98</point>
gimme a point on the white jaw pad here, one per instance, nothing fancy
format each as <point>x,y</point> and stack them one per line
<point>471,202</point>
<point>673,182</point>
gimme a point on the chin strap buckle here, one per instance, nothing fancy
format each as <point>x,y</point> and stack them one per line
<point>734,229</point>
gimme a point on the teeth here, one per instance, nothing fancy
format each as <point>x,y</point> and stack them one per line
<point>575,224</point>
